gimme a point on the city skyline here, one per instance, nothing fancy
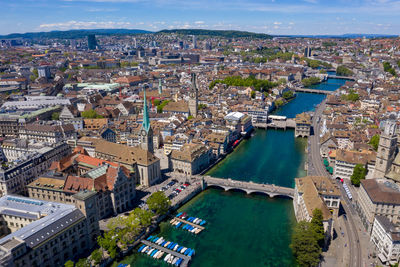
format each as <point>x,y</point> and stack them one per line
<point>306,17</point>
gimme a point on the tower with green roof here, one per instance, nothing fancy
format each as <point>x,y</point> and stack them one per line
<point>146,132</point>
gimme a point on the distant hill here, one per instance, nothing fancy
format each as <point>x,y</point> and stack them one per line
<point>343,36</point>
<point>220,33</point>
<point>72,34</point>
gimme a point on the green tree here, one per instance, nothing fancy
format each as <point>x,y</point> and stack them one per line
<point>91,114</point>
<point>82,263</point>
<point>287,95</point>
<point>109,243</point>
<point>253,94</point>
<point>190,117</point>
<point>69,263</point>
<point>304,245</point>
<point>279,103</point>
<point>201,106</point>
<point>343,71</point>
<point>55,116</point>
<point>310,81</point>
<point>359,173</point>
<point>96,256</point>
<point>144,216</point>
<point>318,226</point>
<point>374,142</point>
<point>158,203</point>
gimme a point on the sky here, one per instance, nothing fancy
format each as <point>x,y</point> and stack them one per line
<point>302,17</point>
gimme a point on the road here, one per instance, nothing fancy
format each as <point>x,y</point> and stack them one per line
<point>316,167</point>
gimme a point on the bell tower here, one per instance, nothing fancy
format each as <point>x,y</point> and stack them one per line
<point>193,101</point>
<point>146,132</point>
<point>386,150</point>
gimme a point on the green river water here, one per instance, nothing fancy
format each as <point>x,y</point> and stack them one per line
<point>247,230</point>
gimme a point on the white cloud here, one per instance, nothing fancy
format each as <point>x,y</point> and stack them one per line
<point>277,23</point>
<point>85,25</point>
<point>199,22</point>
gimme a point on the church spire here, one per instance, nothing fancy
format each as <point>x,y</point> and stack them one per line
<point>146,121</point>
<point>159,87</point>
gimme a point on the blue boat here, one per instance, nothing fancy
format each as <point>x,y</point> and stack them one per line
<point>154,252</point>
<point>179,214</point>
<point>191,253</point>
<point>202,222</point>
<point>178,262</point>
<point>187,251</point>
<point>170,245</point>
<point>163,243</point>
<point>184,227</point>
<point>150,237</point>
<point>141,248</point>
<point>179,249</point>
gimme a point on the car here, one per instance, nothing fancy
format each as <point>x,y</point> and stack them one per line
<point>186,184</point>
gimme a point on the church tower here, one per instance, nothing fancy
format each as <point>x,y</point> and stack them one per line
<point>159,87</point>
<point>146,132</point>
<point>386,150</point>
<point>193,101</point>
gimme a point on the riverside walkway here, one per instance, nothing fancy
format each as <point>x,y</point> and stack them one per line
<point>247,187</point>
<point>185,258</point>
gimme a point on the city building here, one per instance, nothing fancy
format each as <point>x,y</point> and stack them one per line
<point>14,176</point>
<point>386,150</point>
<point>46,234</point>
<point>316,192</point>
<point>378,197</point>
<point>47,132</point>
<point>386,237</point>
<point>345,162</point>
<point>191,159</point>
<point>92,43</point>
<point>138,160</point>
<point>303,125</point>
<point>146,132</point>
<point>193,101</point>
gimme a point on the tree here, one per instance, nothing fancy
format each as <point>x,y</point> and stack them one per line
<point>279,103</point>
<point>55,116</point>
<point>109,243</point>
<point>318,226</point>
<point>253,94</point>
<point>91,114</point>
<point>190,117</point>
<point>144,216</point>
<point>359,173</point>
<point>158,203</point>
<point>69,264</point>
<point>305,245</point>
<point>96,256</point>
<point>287,95</point>
<point>201,106</point>
<point>343,71</point>
<point>82,263</point>
<point>310,81</point>
<point>374,142</point>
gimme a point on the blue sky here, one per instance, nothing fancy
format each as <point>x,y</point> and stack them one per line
<point>267,16</point>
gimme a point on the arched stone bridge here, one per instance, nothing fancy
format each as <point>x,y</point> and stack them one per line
<point>247,187</point>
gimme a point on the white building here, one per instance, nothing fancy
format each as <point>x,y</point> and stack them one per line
<point>386,237</point>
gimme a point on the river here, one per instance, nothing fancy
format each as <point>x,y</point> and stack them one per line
<point>251,230</point>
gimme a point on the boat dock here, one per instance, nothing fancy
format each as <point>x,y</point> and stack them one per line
<point>192,224</point>
<point>185,258</point>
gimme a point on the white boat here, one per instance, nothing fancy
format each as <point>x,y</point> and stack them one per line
<point>175,247</point>
<point>171,259</point>
<point>183,250</point>
<point>150,251</point>
<point>156,254</point>
<point>144,249</point>
<point>175,260</point>
<point>166,244</point>
<point>167,257</point>
<point>160,255</point>
<point>159,241</point>
<point>196,220</point>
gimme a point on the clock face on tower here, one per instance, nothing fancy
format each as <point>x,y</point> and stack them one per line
<point>143,133</point>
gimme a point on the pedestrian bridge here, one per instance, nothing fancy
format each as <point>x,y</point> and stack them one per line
<point>247,187</point>
<point>314,91</point>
